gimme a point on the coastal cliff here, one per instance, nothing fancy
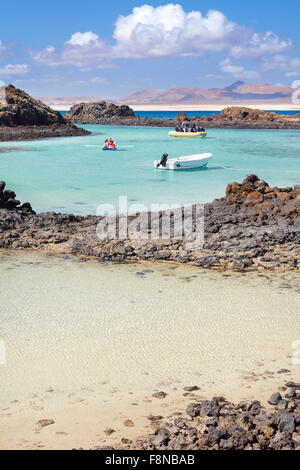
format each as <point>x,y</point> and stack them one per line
<point>22,117</point>
<point>229,118</point>
<point>253,227</point>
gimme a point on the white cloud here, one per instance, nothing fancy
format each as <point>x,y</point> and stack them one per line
<point>261,44</point>
<point>238,71</point>
<point>82,50</point>
<point>169,31</point>
<point>83,39</point>
<point>46,56</point>
<point>14,69</point>
<point>165,31</point>
<point>98,80</point>
<point>289,65</point>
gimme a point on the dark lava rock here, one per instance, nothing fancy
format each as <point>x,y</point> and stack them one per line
<point>191,389</point>
<point>98,112</point>
<point>8,201</point>
<point>230,118</point>
<point>253,227</point>
<point>22,110</point>
<point>275,399</point>
<point>245,426</point>
<point>22,117</point>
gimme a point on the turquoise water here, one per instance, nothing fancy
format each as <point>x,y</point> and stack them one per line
<point>67,175</point>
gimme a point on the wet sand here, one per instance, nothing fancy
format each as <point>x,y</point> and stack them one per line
<point>89,343</point>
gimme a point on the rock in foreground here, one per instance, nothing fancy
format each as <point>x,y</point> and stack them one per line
<point>253,227</point>
<point>220,425</point>
<point>22,117</point>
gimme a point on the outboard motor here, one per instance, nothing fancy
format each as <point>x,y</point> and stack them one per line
<point>163,161</point>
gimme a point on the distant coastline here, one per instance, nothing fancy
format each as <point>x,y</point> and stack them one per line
<point>200,107</point>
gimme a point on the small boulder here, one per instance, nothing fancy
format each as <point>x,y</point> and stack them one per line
<point>275,399</point>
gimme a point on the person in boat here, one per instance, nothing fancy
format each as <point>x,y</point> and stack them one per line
<point>110,144</point>
<point>163,161</point>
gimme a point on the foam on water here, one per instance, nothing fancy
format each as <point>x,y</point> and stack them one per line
<point>74,175</point>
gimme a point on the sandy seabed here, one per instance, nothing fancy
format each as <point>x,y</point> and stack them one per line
<point>88,344</point>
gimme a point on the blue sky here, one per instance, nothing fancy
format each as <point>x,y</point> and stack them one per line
<point>111,49</point>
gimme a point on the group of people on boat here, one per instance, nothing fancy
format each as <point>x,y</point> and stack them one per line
<point>110,144</point>
<point>189,128</point>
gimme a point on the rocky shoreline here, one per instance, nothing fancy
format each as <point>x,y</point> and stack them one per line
<point>254,227</point>
<point>207,124</point>
<point>218,424</point>
<point>230,118</point>
<point>8,134</point>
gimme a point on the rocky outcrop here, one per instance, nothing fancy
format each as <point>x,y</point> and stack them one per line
<point>248,118</point>
<point>253,227</point>
<point>22,110</point>
<point>9,202</point>
<point>218,424</point>
<point>230,118</point>
<point>22,117</point>
<point>99,113</point>
<point>247,114</point>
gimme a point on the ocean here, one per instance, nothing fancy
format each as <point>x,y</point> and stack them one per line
<point>74,175</point>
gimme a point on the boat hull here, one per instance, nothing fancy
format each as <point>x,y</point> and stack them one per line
<point>186,163</point>
<point>187,134</point>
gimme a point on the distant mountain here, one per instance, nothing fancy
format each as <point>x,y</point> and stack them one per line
<point>235,85</point>
<point>238,92</point>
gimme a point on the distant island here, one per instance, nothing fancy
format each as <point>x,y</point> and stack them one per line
<point>263,96</point>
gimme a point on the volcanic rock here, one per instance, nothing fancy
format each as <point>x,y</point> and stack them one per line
<point>87,113</point>
<point>23,117</point>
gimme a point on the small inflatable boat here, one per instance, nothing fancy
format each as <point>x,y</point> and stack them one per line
<point>112,149</point>
<point>187,134</point>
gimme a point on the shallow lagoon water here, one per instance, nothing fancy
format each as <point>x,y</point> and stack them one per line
<point>71,324</point>
<point>74,175</point>
<point>87,344</point>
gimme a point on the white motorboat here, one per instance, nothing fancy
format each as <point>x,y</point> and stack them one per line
<point>188,162</point>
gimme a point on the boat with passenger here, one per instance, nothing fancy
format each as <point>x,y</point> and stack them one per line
<point>187,162</point>
<point>110,144</point>
<point>188,130</point>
